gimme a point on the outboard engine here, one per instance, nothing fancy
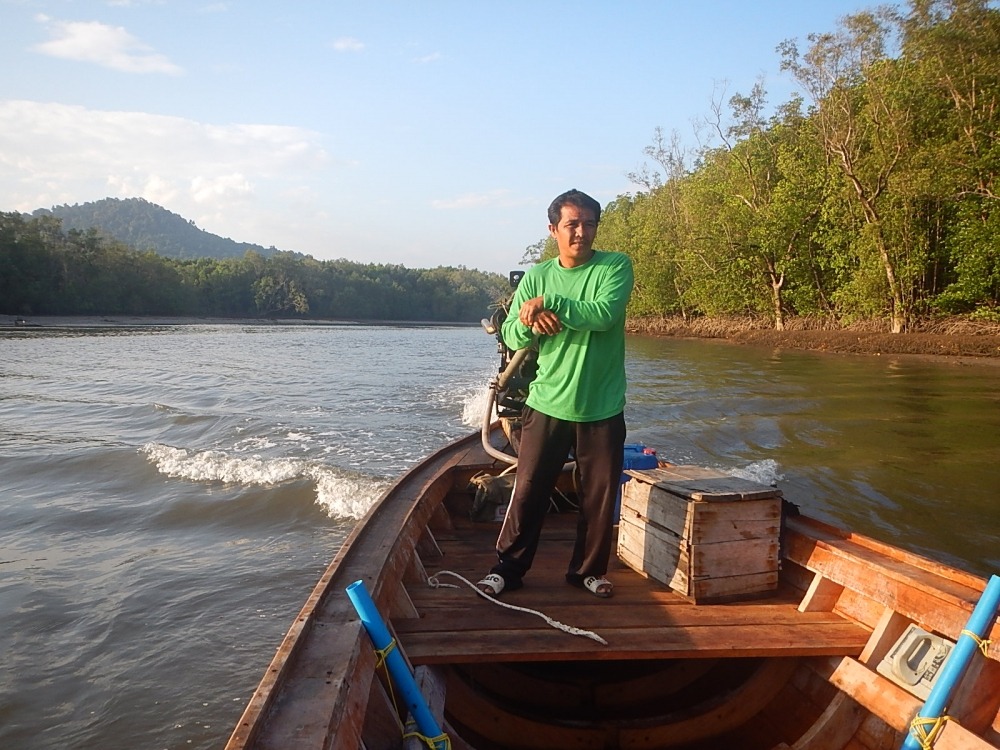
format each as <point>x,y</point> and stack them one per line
<point>512,391</point>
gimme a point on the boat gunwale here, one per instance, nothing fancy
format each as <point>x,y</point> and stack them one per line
<point>255,715</point>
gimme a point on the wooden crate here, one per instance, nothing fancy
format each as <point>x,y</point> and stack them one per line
<point>707,535</point>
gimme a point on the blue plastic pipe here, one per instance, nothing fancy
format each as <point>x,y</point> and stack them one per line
<point>395,663</point>
<point>955,665</point>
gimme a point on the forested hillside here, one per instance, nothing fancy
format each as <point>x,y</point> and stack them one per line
<point>876,197</point>
<point>145,226</point>
<point>45,270</point>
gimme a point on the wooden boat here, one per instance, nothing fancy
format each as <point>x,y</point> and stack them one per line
<point>797,667</point>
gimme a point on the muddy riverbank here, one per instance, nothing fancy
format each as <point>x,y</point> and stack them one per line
<point>949,337</point>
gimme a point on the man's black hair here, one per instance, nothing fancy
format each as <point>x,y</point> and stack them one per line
<point>573,198</point>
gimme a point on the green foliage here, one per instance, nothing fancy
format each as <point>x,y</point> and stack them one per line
<point>975,249</point>
<point>880,200</point>
<point>544,249</point>
<point>46,271</point>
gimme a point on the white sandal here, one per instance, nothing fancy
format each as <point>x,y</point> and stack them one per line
<point>493,582</point>
<point>599,586</point>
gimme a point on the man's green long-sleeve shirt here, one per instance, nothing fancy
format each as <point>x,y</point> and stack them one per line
<point>581,369</point>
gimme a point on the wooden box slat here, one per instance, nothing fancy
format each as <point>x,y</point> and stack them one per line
<point>707,485</point>
<point>706,535</point>
<point>703,521</point>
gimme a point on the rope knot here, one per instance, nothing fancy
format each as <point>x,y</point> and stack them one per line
<point>383,653</point>
<point>926,729</point>
<point>441,742</point>
<point>982,643</point>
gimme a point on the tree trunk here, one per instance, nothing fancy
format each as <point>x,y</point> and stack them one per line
<point>777,282</point>
<point>872,218</point>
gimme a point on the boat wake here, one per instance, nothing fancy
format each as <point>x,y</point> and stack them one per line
<point>474,406</point>
<point>762,472</point>
<point>340,493</point>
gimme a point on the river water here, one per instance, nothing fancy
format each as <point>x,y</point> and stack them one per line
<point>170,494</point>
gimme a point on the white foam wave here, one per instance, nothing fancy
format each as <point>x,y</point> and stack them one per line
<point>344,496</point>
<point>762,472</point>
<point>339,494</point>
<point>217,466</point>
<point>474,406</point>
<point>254,444</point>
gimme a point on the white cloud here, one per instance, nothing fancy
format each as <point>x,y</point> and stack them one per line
<point>154,188</point>
<point>433,57</point>
<point>56,153</point>
<point>474,200</point>
<point>209,189</point>
<point>110,46</point>
<point>348,44</point>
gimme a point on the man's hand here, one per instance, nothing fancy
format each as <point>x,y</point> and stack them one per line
<point>542,321</point>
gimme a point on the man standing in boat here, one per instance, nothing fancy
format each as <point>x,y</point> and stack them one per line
<point>574,307</point>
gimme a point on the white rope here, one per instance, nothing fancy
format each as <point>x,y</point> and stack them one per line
<point>435,583</point>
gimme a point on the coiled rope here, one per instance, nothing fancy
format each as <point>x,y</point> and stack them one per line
<point>436,583</point>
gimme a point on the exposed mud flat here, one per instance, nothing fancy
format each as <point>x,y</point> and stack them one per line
<point>950,338</point>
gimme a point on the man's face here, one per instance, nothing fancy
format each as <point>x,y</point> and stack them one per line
<point>574,234</point>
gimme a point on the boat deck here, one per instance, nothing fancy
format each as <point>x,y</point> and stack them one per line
<point>324,687</point>
<point>643,620</point>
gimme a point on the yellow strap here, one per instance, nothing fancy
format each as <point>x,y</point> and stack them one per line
<point>383,653</point>
<point>983,643</point>
<point>441,742</point>
<point>926,730</point>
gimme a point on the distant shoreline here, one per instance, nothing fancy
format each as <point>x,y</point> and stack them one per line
<point>960,340</point>
<point>46,322</point>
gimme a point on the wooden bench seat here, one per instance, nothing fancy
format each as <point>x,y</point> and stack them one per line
<point>935,596</point>
<point>470,635</point>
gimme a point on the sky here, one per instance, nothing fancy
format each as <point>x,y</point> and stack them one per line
<point>423,134</point>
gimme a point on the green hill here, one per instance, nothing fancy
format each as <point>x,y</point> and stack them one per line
<point>146,226</point>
